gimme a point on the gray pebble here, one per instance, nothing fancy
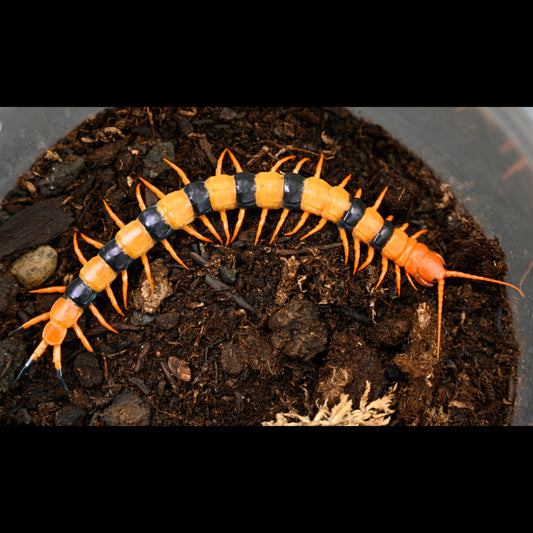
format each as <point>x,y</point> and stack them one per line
<point>70,415</point>
<point>153,163</point>
<point>61,175</point>
<point>127,409</point>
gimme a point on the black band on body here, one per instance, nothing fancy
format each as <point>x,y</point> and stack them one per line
<point>198,195</point>
<point>245,186</point>
<point>80,293</point>
<point>155,224</point>
<point>293,187</point>
<point>352,215</point>
<point>383,236</point>
<point>115,256</point>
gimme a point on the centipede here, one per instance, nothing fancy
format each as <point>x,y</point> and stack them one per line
<point>242,191</point>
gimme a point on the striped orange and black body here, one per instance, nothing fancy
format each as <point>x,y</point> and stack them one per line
<point>243,190</point>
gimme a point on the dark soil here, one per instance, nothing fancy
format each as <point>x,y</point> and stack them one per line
<point>248,332</point>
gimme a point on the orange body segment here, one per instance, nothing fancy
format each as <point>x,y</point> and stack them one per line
<point>269,190</point>
<point>54,334</point>
<point>134,239</point>
<point>394,249</point>
<point>315,195</point>
<point>417,255</point>
<point>222,192</point>
<point>369,225</point>
<point>176,209</point>
<point>65,312</point>
<point>97,274</point>
<point>336,205</point>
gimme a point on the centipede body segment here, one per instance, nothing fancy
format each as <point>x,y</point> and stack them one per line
<point>220,193</point>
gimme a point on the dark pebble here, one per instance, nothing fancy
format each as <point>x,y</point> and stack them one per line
<point>70,415</point>
<point>127,409</point>
<point>297,329</point>
<point>61,175</point>
<point>227,275</point>
<point>87,368</point>
<point>154,164</point>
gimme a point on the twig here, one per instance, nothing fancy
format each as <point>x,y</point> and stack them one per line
<point>218,285</point>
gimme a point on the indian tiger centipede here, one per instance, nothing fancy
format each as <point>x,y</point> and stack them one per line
<point>221,193</point>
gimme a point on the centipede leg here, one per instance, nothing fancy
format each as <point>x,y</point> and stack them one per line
<point>101,319</point>
<point>301,222</point>
<point>147,271</point>
<point>410,279</point>
<point>300,164</point>
<point>82,337</point>
<point>280,162</point>
<point>33,321</point>
<point>398,272</point>
<point>57,364</point>
<point>384,267</point>
<point>281,221</point>
<point>124,275</point>
<point>238,224</point>
<point>264,214</point>
<point>369,258</point>
<point>33,357</point>
<point>346,246</point>
<point>322,222</point>
<point>224,219</point>
<point>357,252</point>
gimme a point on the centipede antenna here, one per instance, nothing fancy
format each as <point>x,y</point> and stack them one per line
<point>455,274</point>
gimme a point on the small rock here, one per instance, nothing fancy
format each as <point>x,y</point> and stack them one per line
<point>70,415</point>
<point>88,370</point>
<point>35,267</point>
<point>61,175</point>
<point>127,409</point>
<point>146,300</point>
<point>179,368</point>
<point>227,275</point>
<point>231,358</point>
<point>153,163</point>
<point>297,329</point>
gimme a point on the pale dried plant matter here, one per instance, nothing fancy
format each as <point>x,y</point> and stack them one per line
<point>376,413</point>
